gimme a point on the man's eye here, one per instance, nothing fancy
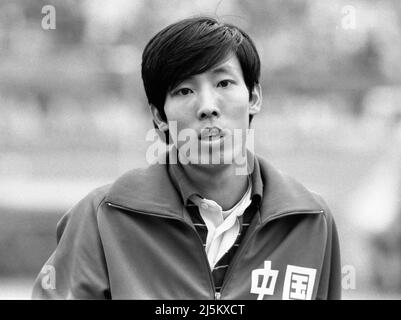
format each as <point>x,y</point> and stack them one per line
<point>183,91</point>
<point>224,83</point>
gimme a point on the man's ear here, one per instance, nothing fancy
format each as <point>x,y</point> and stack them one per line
<point>157,119</point>
<point>256,99</point>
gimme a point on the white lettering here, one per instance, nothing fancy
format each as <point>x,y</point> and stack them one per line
<point>349,19</point>
<point>49,20</point>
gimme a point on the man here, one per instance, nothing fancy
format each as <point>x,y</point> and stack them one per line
<point>194,224</point>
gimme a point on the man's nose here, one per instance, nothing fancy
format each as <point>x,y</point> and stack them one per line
<point>208,106</point>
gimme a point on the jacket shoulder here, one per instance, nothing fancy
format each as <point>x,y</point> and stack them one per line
<point>83,211</point>
<point>93,199</point>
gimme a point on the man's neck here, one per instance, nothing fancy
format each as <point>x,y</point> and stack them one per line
<point>218,183</point>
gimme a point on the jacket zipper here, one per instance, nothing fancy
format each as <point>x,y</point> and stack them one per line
<point>244,246</point>
<point>216,294</point>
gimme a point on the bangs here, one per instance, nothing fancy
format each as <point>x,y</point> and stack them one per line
<point>188,60</point>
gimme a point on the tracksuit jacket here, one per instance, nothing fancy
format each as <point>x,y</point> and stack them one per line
<point>134,239</point>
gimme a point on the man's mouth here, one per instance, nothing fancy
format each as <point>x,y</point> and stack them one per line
<point>211,133</point>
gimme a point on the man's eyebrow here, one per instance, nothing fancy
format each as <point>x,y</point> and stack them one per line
<point>223,69</point>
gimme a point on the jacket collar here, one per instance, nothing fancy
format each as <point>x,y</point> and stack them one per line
<point>150,190</point>
<point>283,194</point>
<point>186,188</point>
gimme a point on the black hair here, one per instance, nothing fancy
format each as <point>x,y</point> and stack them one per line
<point>193,46</point>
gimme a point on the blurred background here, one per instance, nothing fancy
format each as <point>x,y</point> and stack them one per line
<point>74,116</point>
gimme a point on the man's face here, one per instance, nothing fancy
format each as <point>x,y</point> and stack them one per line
<point>210,111</point>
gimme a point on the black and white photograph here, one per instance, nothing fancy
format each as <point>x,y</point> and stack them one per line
<point>200,150</point>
